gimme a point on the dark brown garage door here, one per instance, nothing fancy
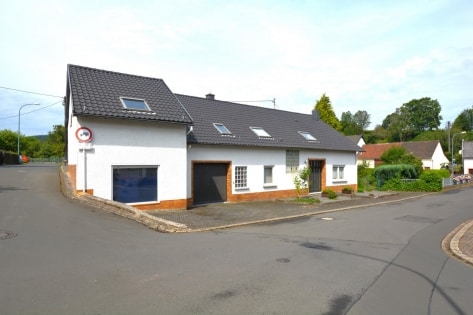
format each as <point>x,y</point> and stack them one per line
<point>210,182</point>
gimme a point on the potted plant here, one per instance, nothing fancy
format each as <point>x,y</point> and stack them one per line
<point>347,190</point>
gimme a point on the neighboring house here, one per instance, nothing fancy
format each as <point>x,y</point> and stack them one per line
<point>130,139</point>
<point>430,152</point>
<point>372,153</point>
<point>467,155</point>
<point>359,140</point>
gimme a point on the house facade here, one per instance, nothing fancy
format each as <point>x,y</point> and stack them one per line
<point>429,152</point>
<point>132,140</point>
<point>467,156</point>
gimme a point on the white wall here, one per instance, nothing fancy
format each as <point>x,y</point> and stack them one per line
<point>130,143</point>
<point>348,159</point>
<point>256,158</point>
<point>369,163</point>
<point>438,158</point>
<point>467,165</point>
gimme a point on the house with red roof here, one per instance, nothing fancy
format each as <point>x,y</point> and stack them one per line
<point>430,152</point>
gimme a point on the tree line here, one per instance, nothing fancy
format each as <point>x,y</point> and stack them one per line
<point>416,120</point>
<point>50,146</point>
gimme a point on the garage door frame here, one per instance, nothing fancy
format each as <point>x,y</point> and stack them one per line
<point>228,186</point>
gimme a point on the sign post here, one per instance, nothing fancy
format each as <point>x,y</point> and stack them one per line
<point>84,136</point>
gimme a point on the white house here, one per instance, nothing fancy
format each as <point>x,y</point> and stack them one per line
<point>467,155</point>
<point>130,139</point>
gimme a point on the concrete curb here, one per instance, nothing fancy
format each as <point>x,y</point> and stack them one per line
<point>297,216</point>
<point>454,244</point>
<point>123,210</point>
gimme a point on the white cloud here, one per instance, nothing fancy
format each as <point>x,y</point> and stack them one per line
<point>366,55</point>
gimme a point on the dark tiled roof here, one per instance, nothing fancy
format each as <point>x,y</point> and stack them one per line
<point>421,149</point>
<point>468,149</point>
<point>97,93</point>
<point>283,126</point>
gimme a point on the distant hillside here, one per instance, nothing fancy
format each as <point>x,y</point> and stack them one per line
<point>41,137</point>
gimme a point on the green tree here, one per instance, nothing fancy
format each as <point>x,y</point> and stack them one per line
<point>422,114</point>
<point>54,144</point>
<point>362,119</point>
<point>31,146</point>
<point>348,126</point>
<point>396,126</point>
<point>325,110</point>
<point>464,121</point>
<point>398,155</point>
<point>8,140</point>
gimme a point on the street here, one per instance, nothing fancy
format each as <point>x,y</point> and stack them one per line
<point>61,257</point>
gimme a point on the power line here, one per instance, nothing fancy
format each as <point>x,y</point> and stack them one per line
<point>7,88</point>
<point>31,111</point>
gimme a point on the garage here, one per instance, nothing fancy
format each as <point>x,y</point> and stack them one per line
<point>210,182</point>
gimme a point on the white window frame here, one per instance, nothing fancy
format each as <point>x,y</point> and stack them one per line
<point>270,168</point>
<point>338,172</point>
<point>125,106</point>
<point>241,177</point>
<point>260,132</point>
<point>292,162</point>
<point>222,129</point>
<point>307,136</point>
<point>141,167</point>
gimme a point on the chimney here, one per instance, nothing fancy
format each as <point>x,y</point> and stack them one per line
<point>210,96</point>
<point>315,115</point>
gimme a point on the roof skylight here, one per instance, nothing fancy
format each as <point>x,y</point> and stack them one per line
<point>222,129</point>
<point>134,104</point>
<point>307,136</point>
<point>260,132</point>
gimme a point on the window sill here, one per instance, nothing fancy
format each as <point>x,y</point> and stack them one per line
<point>242,188</point>
<point>142,203</point>
<point>267,186</point>
<point>339,182</point>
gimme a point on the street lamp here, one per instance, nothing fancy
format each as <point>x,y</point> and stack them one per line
<point>19,116</point>
<point>460,133</point>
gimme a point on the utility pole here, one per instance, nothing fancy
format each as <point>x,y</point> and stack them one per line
<point>448,130</point>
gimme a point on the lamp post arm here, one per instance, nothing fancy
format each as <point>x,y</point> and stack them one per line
<point>19,130</point>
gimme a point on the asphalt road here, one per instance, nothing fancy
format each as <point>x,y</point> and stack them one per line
<point>58,256</point>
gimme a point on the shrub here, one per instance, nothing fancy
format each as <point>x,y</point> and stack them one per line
<point>384,173</point>
<point>301,180</point>
<point>428,182</point>
<point>366,180</point>
<point>347,189</point>
<point>330,193</point>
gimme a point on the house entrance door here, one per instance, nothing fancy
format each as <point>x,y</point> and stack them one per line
<point>315,178</point>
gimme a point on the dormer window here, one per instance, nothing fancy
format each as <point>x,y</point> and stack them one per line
<point>260,132</point>
<point>222,129</point>
<point>134,104</point>
<point>307,136</point>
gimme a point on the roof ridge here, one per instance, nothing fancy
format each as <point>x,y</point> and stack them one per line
<point>241,104</point>
<point>114,72</point>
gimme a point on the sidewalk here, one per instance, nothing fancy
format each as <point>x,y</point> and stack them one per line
<point>459,242</point>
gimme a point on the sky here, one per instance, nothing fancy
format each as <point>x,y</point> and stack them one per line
<point>364,55</point>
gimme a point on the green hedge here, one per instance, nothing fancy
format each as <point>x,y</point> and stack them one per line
<point>388,172</point>
<point>429,181</point>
